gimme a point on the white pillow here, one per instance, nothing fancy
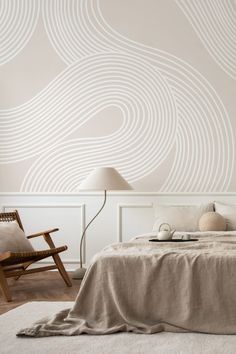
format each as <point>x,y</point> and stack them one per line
<point>13,239</point>
<point>229,213</point>
<point>180,217</point>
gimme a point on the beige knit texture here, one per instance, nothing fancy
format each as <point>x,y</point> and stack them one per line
<point>212,221</point>
<point>147,287</point>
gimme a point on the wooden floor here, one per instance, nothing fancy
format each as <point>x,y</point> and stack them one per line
<point>45,286</point>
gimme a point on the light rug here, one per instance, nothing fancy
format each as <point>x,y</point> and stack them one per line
<point>120,343</point>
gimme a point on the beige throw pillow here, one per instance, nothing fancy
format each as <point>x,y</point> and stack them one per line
<point>212,221</point>
<point>13,239</point>
<point>180,217</point>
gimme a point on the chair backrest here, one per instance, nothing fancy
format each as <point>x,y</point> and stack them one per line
<point>11,216</point>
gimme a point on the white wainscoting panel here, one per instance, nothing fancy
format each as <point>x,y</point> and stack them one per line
<point>133,219</point>
<point>124,216</point>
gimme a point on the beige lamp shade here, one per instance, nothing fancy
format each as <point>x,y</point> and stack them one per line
<point>104,178</point>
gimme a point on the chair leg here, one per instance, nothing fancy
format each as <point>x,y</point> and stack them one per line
<point>4,286</point>
<point>24,267</point>
<point>58,261</point>
<point>61,269</point>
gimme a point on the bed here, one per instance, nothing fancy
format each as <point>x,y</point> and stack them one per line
<point>148,287</point>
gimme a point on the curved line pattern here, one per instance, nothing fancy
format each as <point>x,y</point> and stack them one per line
<point>163,101</point>
<point>149,118</point>
<point>204,145</point>
<point>214,21</point>
<point>66,24</point>
<point>18,21</point>
<point>83,89</point>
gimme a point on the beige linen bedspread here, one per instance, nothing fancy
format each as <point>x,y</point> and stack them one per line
<point>146,287</point>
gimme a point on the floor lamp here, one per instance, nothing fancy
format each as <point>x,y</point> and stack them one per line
<point>101,179</point>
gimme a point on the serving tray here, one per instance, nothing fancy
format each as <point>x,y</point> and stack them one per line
<point>173,240</point>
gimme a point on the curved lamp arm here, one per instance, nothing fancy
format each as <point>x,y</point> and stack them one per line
<point>84,232</point>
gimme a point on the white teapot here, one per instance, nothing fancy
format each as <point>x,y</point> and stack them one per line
<point>165,232</point>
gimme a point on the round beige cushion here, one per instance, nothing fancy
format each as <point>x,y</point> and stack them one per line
<point>212,222</point>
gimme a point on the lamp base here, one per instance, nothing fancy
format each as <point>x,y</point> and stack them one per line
<point>79,273</point>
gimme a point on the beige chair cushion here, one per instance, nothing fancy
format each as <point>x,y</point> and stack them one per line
<point>13,239</point>
<point>212,222</point>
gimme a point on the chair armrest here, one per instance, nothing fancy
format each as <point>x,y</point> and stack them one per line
<point>5,255</point>
<point>43,233</point>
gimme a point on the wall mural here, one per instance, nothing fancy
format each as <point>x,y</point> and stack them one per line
<point>214,23</point>
<point>176,132</point>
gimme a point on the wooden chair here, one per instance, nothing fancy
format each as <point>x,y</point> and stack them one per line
<point>15,264</point>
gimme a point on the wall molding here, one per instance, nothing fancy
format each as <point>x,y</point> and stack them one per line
<point>115,225</point>
<point>120,208</point>
<point>114,193</point>
<point>70,264</point>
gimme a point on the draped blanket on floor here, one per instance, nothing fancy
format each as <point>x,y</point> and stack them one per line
<point>147,287</point>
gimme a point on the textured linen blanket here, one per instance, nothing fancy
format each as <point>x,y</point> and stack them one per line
<point>147,287</point>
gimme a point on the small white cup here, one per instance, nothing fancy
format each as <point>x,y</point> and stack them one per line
<point>186,237</point>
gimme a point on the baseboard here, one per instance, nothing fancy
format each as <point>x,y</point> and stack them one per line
<point>70,265</point>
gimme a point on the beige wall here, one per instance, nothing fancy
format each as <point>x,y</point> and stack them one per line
<point>146,86</point>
